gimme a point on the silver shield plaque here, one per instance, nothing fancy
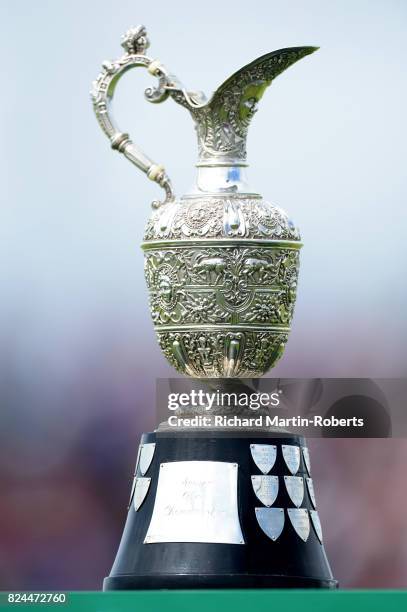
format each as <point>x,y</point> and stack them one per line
<point>133,486</point>
<point>300,521</point>
<point>310,487</point>
<point>266,488</point>
<point>271,520</point>
<point>295,489</point>
<point>264,456</point>
<point>291,456</point>
<point>317,524</point>
<point>134,479</point>
<point>196,501</point>
<point>140,491</point>
<point>307,461</point>
<point>138,458</point>
<point>146,456</point>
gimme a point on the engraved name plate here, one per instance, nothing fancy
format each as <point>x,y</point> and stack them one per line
<point>295,489</point>
<point>266,488</point>
<point>140,491</point>
<point>264,456</point>
<point>300,521</point>
<point>317,524</point>
<point>196,501</point>
<point>310,487</point>
<point>291,456</point>
<point>146,456</point>
<point>307,461</point>
<point>271,520</point>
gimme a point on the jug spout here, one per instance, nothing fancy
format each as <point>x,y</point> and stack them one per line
<point>223,121</point>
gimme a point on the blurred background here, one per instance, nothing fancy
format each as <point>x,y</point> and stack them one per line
<point>79,357</point>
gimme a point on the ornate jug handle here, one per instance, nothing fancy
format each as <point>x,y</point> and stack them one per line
<point>135,43</point>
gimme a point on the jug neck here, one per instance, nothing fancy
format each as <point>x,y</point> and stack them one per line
<point>221,178</point>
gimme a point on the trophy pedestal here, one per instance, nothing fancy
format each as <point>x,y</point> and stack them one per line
<point>213,510</point>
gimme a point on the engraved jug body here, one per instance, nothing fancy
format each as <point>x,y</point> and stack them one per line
<point>221,262</point>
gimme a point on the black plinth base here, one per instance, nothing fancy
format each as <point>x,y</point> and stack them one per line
<point>288,562</point>
<point>236,581</point>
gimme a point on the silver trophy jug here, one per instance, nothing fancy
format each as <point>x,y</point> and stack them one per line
<point>226,509</point>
